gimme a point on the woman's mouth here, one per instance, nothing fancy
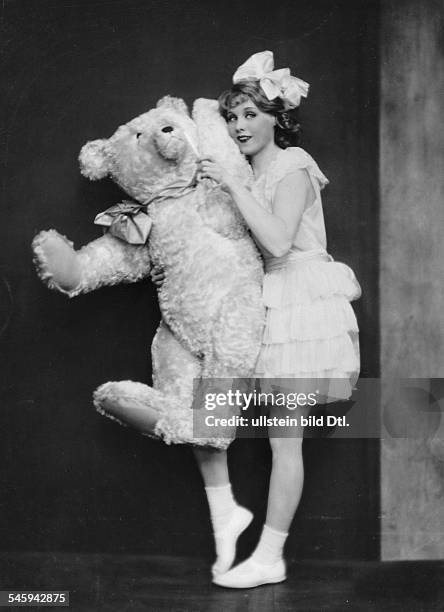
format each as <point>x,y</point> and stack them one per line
<point>243,139</point>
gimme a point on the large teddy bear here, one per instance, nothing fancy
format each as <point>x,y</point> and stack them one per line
<point>212,313</point>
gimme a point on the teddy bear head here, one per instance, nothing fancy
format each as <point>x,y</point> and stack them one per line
<point>148,153</point>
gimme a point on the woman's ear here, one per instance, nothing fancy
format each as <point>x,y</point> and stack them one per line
<point>94,159</point>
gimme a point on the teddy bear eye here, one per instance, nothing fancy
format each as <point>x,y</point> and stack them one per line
<point>139,134</point>
<point>167,129</point>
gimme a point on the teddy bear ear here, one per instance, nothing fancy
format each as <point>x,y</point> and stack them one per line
<point>94,159</point>
<point>176,104</point>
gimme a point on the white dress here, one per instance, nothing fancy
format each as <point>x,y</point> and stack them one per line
<point>311,331</point>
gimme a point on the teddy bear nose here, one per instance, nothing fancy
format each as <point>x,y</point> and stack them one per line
<point>167,129</point>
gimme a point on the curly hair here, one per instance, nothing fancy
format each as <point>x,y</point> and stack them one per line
<point>287,130</point>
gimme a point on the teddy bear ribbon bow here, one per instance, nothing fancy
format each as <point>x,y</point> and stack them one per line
<point>274,83</point>
<point>127,221</point>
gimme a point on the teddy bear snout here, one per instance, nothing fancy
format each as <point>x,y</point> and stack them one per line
<point>170,142</point>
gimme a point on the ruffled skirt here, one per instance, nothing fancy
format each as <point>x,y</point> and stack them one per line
<point>311,332</point>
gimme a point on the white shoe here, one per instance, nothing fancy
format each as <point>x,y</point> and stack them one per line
<point>251,574</point>
<point>226,539</point>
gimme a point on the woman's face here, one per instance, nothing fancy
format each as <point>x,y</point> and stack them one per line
<point>250,128</point>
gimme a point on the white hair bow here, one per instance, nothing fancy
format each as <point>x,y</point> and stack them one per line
<point>275,83</point>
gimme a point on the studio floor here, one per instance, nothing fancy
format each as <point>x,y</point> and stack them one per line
<point>122,582</point>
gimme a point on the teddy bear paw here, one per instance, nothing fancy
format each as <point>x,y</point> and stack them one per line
<point>56,261</point>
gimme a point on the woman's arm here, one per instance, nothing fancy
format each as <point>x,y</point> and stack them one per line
<point>274,231</point>
<point>157,276</point>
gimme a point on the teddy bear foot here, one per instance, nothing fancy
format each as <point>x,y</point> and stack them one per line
<point>152,413</point>
<point>128,403</point>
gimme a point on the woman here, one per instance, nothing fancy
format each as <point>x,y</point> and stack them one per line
<point>311,331</point>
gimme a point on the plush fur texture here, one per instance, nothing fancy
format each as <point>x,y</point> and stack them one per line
<point>212,312</point>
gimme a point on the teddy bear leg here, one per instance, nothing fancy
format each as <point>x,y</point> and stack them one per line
<point>229,364</point>
<point>177,371</point>
<point>163,411</point>
<point>236,339</point>
<point>174,367</point>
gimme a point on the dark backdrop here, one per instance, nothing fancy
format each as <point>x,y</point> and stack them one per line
<point>73,71</point>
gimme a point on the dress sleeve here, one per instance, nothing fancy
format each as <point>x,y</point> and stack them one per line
<point>291,159</point>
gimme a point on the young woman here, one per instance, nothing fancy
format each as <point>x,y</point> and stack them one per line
<point>311,331</point>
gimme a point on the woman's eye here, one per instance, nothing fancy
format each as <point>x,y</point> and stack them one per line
<point>231,119</point>
<point>250,115</point>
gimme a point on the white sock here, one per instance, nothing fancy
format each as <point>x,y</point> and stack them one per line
<point>270,547</point>
<point>222,504</point>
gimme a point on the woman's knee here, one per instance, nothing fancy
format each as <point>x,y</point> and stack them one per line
<point>286,447</point>
<point>207,453</point>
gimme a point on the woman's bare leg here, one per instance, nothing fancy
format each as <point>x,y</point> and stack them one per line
<point>286,482</point>
<point>266,564</point>
<point>228,519</point>
<point>284,494</point>
<point>213,466</point>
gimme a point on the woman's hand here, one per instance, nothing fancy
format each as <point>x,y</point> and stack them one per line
<point>157,276</point>
<point>208,168</point>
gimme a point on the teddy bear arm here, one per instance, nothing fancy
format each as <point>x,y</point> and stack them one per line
<point>218,211</point>
<point>110,261</point>
<point>105,261</point>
